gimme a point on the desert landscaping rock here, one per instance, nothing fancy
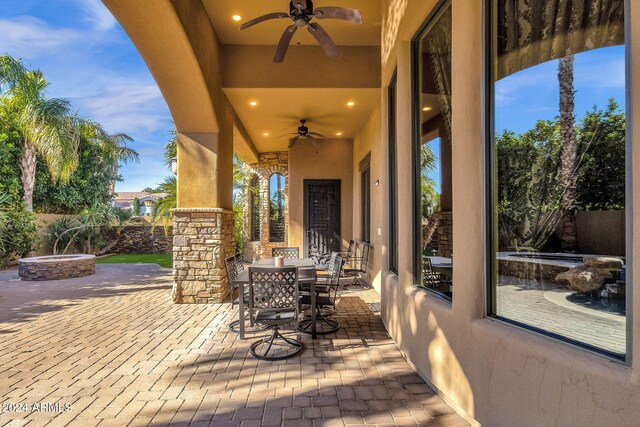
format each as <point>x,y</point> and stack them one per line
<point>581,279</point>
<point>608,263</point>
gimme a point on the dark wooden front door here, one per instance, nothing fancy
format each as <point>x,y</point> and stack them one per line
<point>321,219</point>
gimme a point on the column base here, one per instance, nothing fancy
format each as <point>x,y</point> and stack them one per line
<point>202,240</point>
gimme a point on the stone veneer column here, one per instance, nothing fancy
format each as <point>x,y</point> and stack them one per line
<point>202,240</point>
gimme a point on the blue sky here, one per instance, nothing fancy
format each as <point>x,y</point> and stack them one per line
<point>88,59</point>
<point>530,95</point>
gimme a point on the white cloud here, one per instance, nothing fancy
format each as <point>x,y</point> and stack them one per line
<point>127,107</point>
<point>98,14</point>
<point>29,37</point>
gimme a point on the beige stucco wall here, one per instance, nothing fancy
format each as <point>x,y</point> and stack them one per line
<point>495,373</point>
<point>333,159</point>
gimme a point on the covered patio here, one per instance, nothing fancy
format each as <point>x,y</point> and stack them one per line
<point>116,349</point>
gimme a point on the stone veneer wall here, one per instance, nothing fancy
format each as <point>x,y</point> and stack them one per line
<point>202,239</point>
<point>269,163</point>
<point>140,239</point>
<point>445,233</point>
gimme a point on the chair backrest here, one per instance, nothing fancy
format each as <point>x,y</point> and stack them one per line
<point>429,277</point>
<point>232,268</point>
<point>364,259</point>
<point>335,267</point>
<point>331,263</point>
<point>287,253</point>
<point>352,245</point>
<point>273,288</point>
<point>240,267</point>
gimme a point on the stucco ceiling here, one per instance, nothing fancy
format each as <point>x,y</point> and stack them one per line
<point>268,33</point>
<point>279,112</point>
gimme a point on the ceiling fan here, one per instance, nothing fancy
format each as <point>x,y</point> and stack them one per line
<point>301,12</point>
<point>303,134</point>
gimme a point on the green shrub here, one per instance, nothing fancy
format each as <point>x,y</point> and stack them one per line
<point>18,230</point>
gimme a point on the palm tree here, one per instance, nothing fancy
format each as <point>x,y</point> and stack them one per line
<point>47,125</point>
<point>171,148</point>
<point>162,211</point>
<point>569,154</point>
<point>114,146</point>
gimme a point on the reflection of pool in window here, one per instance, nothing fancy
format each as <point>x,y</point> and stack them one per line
<point>558,174</point>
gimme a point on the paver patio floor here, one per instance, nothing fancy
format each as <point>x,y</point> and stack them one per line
<point>117,350</point>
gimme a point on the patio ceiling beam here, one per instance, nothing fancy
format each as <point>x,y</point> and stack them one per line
<point>251,66</point>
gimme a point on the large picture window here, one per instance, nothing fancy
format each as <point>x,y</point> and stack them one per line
<point>393,177</point>
<point>557,178</point>
<point>365,198</point>
<point>432,154</point>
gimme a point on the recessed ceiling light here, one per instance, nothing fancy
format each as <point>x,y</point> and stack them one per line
<point>265,134</point>
<point>236,18</point>
<point>338,133</point>
<point>253,103</point>
<point>350,104</point>
<point>427,108</point>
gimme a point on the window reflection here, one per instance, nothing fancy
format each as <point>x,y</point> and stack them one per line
<point>433,154</point>
<point>559,169</point>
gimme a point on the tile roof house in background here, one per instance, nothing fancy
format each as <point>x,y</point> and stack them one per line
<point>124,200</point>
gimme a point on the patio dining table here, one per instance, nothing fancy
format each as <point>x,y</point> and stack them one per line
<point>306,275</point>
<point>442,265</point>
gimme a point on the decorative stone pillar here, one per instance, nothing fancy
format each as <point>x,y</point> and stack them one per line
<point>202,239</point>
<point>269,163</point>
<point>445,233</point>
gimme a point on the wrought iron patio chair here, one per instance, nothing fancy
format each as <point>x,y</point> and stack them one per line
<point>348,255</point>
<point>434,280</point>
<point>235,266</point>
<point>275,299</point>
<point>359,266</point>
<point>326,299</point>
<point>287,253</point>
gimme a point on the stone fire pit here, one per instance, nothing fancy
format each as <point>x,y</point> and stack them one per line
<point>56,267</point>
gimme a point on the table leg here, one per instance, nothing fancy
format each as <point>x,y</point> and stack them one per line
<point>241,309</point>
<point>312,290</point>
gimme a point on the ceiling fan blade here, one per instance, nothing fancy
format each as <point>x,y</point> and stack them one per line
<point>318,135</point>
<point>293,141</point>
<point>299,4</point>
<point>283,45</point>
<point>343,13</point>
<point>287,134</point>
<point>259,19</point>
<point>325,41</point>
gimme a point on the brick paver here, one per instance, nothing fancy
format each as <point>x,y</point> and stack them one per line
<point>117,351</point>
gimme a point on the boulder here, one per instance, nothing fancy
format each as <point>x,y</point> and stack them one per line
<point>605,263</point>
<point>581,279</point>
